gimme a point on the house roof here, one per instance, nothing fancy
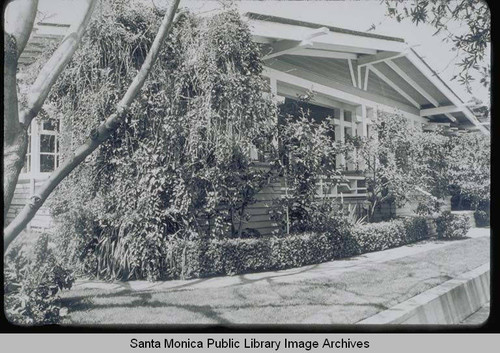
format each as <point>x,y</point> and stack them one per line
<point>364,64</point>
<point>289,21</point>
<point>380,68</point>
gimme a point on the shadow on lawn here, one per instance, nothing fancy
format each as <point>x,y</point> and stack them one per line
<point>143,300</point>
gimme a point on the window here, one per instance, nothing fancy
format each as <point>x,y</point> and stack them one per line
<point>348,116</point>
<point>43,147</point>
<point>49,146</point>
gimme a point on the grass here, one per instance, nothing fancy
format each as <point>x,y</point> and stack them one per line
<point>279,297</point>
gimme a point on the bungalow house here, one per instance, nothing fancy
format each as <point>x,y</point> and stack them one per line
<point>352,74</point>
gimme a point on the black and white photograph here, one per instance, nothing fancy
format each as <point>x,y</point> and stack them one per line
<point>219,164</point>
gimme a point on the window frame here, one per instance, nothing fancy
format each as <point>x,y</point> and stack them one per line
<point>36,131</point>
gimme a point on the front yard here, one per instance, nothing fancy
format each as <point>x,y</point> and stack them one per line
<point>343,291</point>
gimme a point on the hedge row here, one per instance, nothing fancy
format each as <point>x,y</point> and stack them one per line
<point>188,259</point>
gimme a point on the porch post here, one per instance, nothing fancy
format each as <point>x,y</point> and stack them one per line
<point>274,97</point>
<point>340,137</point>
<point>361,127</point>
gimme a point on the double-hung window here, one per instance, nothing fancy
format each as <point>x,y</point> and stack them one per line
<point>42,157</point>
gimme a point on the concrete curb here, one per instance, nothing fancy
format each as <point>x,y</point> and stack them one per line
<point>448,303</point>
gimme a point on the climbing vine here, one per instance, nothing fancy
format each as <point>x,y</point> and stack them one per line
<point>179,166</point>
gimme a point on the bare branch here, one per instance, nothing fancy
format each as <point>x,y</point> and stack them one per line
<point>52,69</point>
<point>98,135</point>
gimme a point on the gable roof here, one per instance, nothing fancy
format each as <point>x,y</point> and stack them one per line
<point>397,73</point>
<point>378,65</point>
<point>289,21</point>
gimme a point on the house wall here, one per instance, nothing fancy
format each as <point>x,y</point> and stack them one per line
<point>24,189</point>
<point>258,213</point>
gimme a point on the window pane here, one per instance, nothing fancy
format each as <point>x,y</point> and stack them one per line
<point>47,143</point>
<point>52,125</point>
<point>46,163</point>
<point>348,115</point>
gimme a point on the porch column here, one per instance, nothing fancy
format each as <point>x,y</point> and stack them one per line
<point>350,130</point>
<point>362,129</point>
<point>340,137</point>
<point>274,97</point>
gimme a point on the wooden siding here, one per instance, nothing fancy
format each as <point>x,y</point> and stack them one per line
<point>410,207</point>
<point>335,69</point>
<point>24,189</point>
<point>258,212</point>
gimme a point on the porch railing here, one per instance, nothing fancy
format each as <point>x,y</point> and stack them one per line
<point>347,186</point>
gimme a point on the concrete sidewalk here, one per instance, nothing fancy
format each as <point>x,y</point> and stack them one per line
<point>337,292</point>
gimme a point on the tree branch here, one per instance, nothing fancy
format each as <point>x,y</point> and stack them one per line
<point>98,135</point>
<point>52,69</point>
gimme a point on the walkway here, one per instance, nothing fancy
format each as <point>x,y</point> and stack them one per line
<point>343,291</point>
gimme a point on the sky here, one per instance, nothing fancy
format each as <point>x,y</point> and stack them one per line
<point>355,15</point>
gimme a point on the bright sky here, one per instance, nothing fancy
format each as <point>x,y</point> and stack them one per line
<point>355,15</point>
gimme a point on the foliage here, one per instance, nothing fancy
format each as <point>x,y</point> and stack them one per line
<point>428,206</point>
<point>179,167</point>
<point>395,159</point>
<point>482,218</point>
<point>385,235</point>
<point>452,226</point>
<point>307,154</point>
<point>416,229</point>
<point>469,163</point>
<point>235,256</point>
<point>431,149</point>
<point>400,159</point>
<point>472,15</point>
<point>32,284</point>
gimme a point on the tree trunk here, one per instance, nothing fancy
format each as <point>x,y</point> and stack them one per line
<point>19,18</point>
<point>14,136</point>
<point>13,161</point>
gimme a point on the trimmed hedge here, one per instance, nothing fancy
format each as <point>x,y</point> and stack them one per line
<point>386,235</point>
<point>452,226</point>
<point>188,259</point>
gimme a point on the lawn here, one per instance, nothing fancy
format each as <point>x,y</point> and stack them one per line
<point>313,294</point>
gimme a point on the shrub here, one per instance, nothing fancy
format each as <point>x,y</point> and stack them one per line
<point>452,226</point>
<point>482,213</point>
<point>32,283</point>
<point>385,235</point>
<point>198,258</point>
<point>482,218</point>
<point>379,236</point>
<point>416,229</point>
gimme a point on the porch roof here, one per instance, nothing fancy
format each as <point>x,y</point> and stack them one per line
<point>377,67</point>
